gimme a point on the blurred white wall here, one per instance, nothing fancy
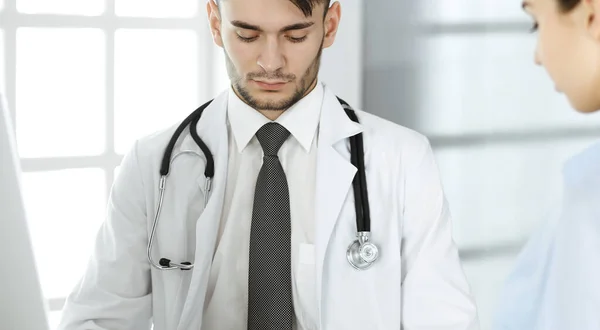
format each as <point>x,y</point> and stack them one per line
<point>342,63</point>
<point>462,73</point>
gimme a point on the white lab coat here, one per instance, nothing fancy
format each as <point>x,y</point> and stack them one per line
<point>555,284</point>
<point>416,284</point>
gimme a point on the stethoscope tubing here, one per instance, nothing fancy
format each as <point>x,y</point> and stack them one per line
<point>359,184</point>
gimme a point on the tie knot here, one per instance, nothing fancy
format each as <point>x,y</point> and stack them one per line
<point>271,137</point>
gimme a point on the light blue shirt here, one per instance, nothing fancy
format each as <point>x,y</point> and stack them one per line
<point>555,284</point>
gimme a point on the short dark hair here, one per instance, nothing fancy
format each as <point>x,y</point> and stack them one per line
<point>568,5</point>
<point>306,6</point>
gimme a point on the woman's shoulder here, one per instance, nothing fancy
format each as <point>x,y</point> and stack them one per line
<point>582,171</point>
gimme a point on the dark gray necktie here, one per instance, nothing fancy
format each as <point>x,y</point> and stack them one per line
<point>270,304</point>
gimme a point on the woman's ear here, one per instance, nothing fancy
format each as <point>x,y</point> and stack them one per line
<point>591,12</point>
<point>214,21</point>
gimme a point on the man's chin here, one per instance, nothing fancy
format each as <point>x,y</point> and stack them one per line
<point>271,97</point>
<point>271,103</point>
<point>262,99</point>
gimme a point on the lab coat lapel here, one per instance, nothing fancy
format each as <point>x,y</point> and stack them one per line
<point>334,175</point>
<point>212,129</point>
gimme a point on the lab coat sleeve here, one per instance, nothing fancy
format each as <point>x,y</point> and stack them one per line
<point>114,292</point>
<point>435,290</point>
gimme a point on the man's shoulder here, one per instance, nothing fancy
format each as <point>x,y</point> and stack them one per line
<point>153,145</point>
<point>386,134</point>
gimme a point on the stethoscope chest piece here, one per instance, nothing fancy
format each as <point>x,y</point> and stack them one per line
<point>361,253</point>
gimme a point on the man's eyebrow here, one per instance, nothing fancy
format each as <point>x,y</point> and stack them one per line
<point>297,26</point>
<point>244,25</point>
<point>525,4</point>
<point>248,26</point>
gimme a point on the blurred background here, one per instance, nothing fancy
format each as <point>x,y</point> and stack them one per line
<point>86,78</point>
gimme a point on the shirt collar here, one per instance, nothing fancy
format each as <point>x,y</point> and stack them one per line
<point>301,120</point>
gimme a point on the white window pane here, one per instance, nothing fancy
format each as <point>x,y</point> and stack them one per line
<point>498,194</point>
<point>64,209</point>
<point>472,11</point>
<point>60,92</point>
<point>156,81</point>
<point>1,5</point>
<point>487,83</point>
<point>67,7</point>
<point>156,8</point>
<point>2,61</point>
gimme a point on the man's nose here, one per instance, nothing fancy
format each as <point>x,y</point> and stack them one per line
<point>271,58</point>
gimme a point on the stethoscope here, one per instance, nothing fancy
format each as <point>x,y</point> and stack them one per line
<point>361,253</point>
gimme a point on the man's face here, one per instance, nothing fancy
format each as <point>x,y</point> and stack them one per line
<point>272,49</point>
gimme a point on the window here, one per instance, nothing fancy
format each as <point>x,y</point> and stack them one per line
<point>63,205</point>
<point>78,75</point>
<point>60,95</point>
<point>157,8</point>
<point>64,7</point>
<point>139,92</point>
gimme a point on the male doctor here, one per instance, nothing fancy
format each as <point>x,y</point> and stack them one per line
<point>269,247</point>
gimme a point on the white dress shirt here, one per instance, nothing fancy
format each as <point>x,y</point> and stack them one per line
<point>227,295</point>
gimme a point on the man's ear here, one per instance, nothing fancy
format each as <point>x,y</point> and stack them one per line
<point>331,23</point>
<point>214,21</point>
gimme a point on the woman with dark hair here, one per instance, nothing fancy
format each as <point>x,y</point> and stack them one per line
<point>556,282</point>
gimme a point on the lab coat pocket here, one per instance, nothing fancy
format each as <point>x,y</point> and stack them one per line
<point>306,286</point>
